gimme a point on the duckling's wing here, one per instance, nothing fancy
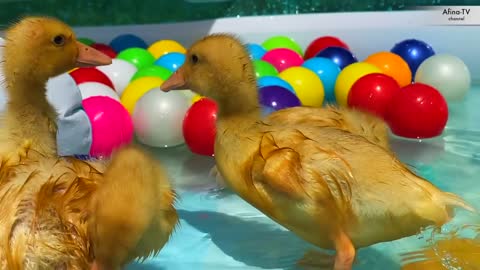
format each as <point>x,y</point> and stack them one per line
<point>347,119</point>
<point>297,167</point>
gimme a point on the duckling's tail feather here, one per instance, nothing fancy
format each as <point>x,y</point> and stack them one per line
<point>453,200</point>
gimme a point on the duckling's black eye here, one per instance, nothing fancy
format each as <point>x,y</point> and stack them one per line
<point>59,40</point>
<point>194,58</point>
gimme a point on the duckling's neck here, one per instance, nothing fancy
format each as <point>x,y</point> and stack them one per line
<point>241,102</point>
<point>27,92</point>
<point>29,116</point>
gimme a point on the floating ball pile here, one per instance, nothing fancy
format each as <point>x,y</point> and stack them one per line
<point>409,86</point>
<point>132,82</point>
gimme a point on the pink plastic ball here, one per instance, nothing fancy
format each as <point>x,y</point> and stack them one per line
<point>283,58</point>
<point>112,125</point>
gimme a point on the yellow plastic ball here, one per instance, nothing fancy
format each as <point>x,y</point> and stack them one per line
<point>196,98</point>
<point>136,89</point>
<point>348,76</point>
<point>165,46</point>
<point>306,84</point>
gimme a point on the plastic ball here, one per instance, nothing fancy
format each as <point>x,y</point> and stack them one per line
<point>158,117</point>
<point>307,85</point>
<point>282,42</point>
<point>199,127</point>
<point>392,65</point>
<point>328,72</point>
<point>414,52</point>
<point>277,98</point>
<point>91,74</point>
<point>165,46</point>
<point>322,43</point>
<point>196,98</point>
<point>256,51</point>
<point>105,49</point>
<point>373,93</point>
<point>136,89</point>
<point>417,111</point>
<point>111,125</point>
<point>283,58</point>
<point>139,57</point>
<point>348,76</point>
<point>189,94</point>
<point>263,68</point>
<point>152,71</point>
<point>171,61</point>
<point>126,41</point>
<point>340,56</point>
<point>446,73</point>
<point>119,72</point>
<point>86,41</point>
<point>274,80</point>
<point>92,89</point>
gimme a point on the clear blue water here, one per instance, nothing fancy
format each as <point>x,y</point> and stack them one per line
<point>220,231</point>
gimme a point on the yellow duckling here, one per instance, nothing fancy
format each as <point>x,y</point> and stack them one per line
<point>65,213</point>
<point>335,189</point>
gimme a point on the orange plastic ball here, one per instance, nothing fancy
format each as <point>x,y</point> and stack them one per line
<point>392,65</point>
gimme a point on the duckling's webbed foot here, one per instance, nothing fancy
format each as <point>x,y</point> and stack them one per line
<point>316,260</point>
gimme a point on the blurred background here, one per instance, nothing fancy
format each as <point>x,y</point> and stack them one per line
<point>121,12</point>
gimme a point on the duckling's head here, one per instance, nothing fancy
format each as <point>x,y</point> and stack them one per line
<point>218,66</point>
<point>41,47</point>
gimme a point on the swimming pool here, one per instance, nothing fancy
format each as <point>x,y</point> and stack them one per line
<point>218,230</point>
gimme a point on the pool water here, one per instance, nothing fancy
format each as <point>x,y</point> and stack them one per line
<point>220,231</point>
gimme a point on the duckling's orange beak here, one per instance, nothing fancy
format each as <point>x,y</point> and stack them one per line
<point>90,57</point>
<point>175,82</point>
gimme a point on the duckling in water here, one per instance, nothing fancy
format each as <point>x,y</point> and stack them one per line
<point>65,213</point>
<point>334,188</point>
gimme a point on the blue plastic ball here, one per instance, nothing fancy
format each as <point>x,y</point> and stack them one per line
<point>274,81</point>
<point>126,41</point>
<point>328,72</point>
<point>340,56</point>
<point>256,51</point>
<point>171,61</point>
<point>414,52</point>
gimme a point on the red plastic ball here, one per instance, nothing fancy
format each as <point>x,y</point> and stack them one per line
<point>417,111</point>
<point>90,74</point>
<point>104,48</point>
<point>322,43</point>
<point>373,93</point>
<point>199,127</point>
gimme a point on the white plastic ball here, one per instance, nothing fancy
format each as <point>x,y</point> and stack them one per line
<point>447,73</point>
<point>91,89</point>
<point>119,72</point>
<point>188,93</point>
<point>158,118</point>
<point>63,92</point>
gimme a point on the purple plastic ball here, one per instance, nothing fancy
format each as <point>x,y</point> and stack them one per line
<point>277,98</point>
